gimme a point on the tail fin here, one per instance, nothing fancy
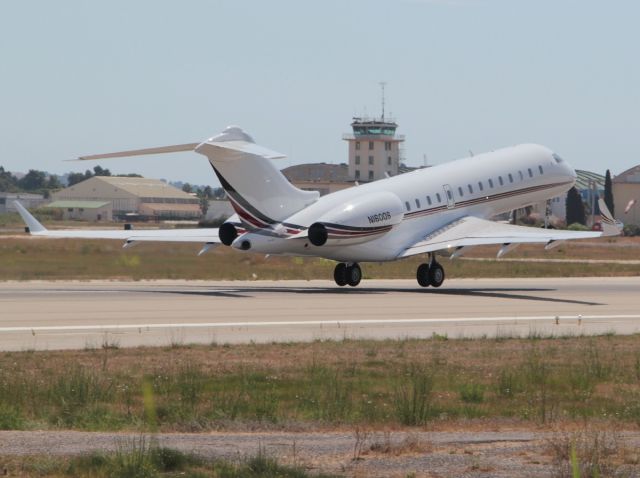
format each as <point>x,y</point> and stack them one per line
<point>258,191</point>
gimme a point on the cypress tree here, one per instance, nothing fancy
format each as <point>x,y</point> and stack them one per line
<point>575,208</point>
<point>608,192</point>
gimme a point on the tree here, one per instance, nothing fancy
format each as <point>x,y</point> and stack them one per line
<point>575,208</point>
<point>608,192</point>
<point>8,182</point>
<point>33,180</point>
<point>53,182</point>
<point>187,188</point>
<point>99,171</point>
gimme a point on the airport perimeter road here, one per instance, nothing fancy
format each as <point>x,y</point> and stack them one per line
<point>64,315</point>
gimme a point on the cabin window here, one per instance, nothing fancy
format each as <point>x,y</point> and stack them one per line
<point>449,194</point>
<point>500,180</point>
<point>418,203</point>
<point>557,158</point>
<point>460,191</point>
<point>438,197</point>
<point>407,205</point>
<point>491,183</point>
<point>521,175</point>
<point>510,178</point>
<point>480,186</point>
<point>540,169</point>
<point>429,200</point>
<point>530,173</point>
<point>470,188</point>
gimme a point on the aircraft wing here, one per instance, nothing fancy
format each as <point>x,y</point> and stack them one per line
<point>473,231</point>
<point>199,235</point>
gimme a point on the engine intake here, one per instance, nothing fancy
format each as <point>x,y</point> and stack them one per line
<point>318,234</point>
<point>227,233</point>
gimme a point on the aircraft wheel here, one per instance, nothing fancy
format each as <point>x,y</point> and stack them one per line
<point>423,275</point>
<point>436,275</point>
<point>354,274</point>
<point>340,274</point>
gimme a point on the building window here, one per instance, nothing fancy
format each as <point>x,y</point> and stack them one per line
<point>357,159</point>
<point>470,188</point>
<point>357,174</point>
<point>510,178</point>
<point>389,160</point>
<point>540,169</point>
<point>418,203</point>
<point>429,200</point>
<point>460,191</point>
<point>357,145</point>
<point>491,183</point>
<point>500,180</point>
<point>407,205</point>
<point>370,144</point>
<point>530,173</point>
<point>370,175</point>
<point>438,197</point>
<point>371,160</point>
<point>387,145</point>
<point>480,186</point>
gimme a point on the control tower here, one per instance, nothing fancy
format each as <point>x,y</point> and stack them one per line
<point>374,148</point>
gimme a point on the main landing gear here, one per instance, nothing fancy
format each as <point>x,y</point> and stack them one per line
<point>345,274</point>
<point>431,274</point>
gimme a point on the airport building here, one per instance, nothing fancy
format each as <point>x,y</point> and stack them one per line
<point>133,198</point>
<point>28,200</point>
<point>84,210</point>
<point>374,149</point>
<point>322,177</point>
<point>626,196</point>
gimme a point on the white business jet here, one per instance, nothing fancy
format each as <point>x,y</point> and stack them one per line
<point>446,208</point>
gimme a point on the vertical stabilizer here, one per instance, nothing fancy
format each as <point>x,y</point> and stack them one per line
<point>258,191</point>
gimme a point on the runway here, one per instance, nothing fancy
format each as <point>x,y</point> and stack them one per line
<point>75,315</point>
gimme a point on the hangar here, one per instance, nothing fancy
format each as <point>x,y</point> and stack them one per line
<point>134,198</point>
<point>626,188</point>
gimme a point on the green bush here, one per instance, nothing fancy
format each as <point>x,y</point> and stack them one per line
<point>576,226</point>
<point>631,230</point>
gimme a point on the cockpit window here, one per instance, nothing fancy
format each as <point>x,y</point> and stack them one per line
<point>557,158</point>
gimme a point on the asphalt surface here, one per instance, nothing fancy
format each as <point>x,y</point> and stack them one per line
<point>68,315</point>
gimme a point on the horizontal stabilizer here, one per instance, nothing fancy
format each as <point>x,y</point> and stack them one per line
<point>176,148</point>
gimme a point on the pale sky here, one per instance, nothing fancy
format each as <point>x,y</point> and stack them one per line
<point>81,77</point>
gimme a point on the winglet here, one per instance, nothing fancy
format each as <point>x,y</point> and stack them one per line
<point>34,226</point>
<point>610,227</point>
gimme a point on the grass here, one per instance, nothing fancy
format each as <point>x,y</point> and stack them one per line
<point>142,459</point>
<point>33,258</point>
<point>323,384</point>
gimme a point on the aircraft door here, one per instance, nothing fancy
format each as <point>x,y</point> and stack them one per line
<point>448,194</point>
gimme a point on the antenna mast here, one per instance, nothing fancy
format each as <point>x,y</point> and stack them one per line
<point>382,85</point>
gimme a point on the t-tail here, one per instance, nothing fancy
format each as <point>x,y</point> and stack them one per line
<point>259,193</point>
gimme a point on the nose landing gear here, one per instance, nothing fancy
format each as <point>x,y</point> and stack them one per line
<point>431,274</point>
<point>345,274</point>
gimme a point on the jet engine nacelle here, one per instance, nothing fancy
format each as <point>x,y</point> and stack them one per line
<point>360,220</point>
